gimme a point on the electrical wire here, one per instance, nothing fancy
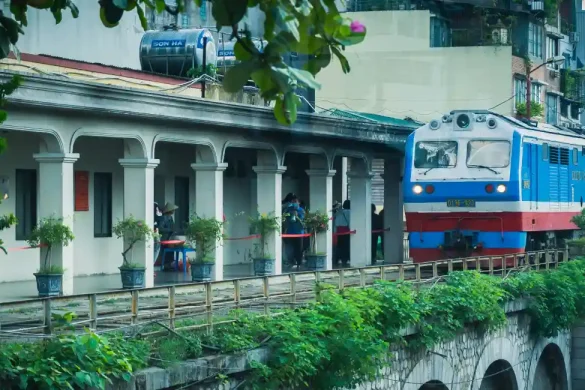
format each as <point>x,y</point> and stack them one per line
<point>505,101</point>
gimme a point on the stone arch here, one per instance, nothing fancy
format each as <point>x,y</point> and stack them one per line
<point>432,368</point>
<point>549,362</point>
<point>434,385</point>
<point>274,157</point>
<point>499,376</point>
<point>498,349</point>
<point>360,156</point>
<point>134,145</point>
<point>206,150</point>
<point>51,140</point>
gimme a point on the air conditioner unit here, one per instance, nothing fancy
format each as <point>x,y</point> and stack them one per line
<point>500,36</point>
<point>574,37</point>
<point>554,73</point>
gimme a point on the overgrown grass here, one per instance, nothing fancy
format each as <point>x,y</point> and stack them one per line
<point>338,342</point>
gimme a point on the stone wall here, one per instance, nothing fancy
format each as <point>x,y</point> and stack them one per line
<point>578,357</point>
<point>509,359</point>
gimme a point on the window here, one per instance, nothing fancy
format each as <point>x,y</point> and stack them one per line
<point>440,32</point>
<point>535,33</point>
<point>564,108</point>
<point>545,152</point>
<point>491,154</point>
<point>551,109</point>
<point>26,202</point>
<point>575,111</point>
<point>553,155</point>
<point>575,156</point>
<point>182,202</point>
<point>552,50</point>
<point>102,204</point>
<point>520,90</point>
<point>435,154</point>
<point>536,92</point>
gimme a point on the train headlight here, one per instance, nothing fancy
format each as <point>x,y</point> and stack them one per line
<point>417,189</point>
<point>501,188</point>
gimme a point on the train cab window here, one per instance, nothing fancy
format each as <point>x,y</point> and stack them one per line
<point>435,154</point>
<point>491,154</point>
<point>545,152</point>
<point>575,156</point>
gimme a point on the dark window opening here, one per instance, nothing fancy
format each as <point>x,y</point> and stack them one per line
<point>26,202</point>
<point>554,155</point>
<point>564,156</point>
<point>182,202</point>
<point>102,204</point>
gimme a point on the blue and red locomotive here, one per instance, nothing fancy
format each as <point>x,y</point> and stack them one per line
<point>480,184</point>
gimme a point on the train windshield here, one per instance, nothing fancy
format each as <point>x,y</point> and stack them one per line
<point>435,154</point>
<point>489,154</point>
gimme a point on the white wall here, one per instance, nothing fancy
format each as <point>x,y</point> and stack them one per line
<point>395,72</point>
<point>84,38</point>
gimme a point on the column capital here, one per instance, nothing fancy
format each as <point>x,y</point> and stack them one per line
<point>139,162</point>
<point>56,158</point>
<point>321,172</point>
<point>209,166</point>
<point>275,170</point>
<point>361,175</point>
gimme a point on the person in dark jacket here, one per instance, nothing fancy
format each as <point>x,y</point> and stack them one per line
<point>166,228</point>
<point>157,218</point>
<point>293,216</point>
<point>377,224</point>
<point>341,222</point>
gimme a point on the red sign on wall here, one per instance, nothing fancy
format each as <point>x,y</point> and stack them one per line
<point>81,191</point>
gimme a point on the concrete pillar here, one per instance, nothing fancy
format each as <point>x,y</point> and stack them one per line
<point>578,355</point>
<point>209,202</point>
<point>320,199</point>
<point>393,211</point>
<point>361,214</point>
<point>56,189</point>
<point>138,202</point>
<point>269,195</point>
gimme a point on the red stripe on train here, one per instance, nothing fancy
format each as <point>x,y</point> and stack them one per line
<point>490,222</point>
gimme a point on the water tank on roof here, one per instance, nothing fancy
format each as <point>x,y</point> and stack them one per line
<point>226,57</point>
<point>174,52</point>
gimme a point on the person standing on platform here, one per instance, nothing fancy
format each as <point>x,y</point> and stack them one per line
<point>341,223</point>
<point>377,224</point>
<point>166,229</point>
<point>293,216</point>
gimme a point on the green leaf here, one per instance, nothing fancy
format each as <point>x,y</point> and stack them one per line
<point>236,77</point>
<point>342,60</point>
<point>142,17</point>
<point>160,5</point>
<point>74,9</point>
<point>229,12</point>
<point>4,43</point>
<point>12,27</point>
<point>242,49</point>
<point>287,22</point>
<point>305,77</point>
<point>123,4</point>
<point>285,110</point>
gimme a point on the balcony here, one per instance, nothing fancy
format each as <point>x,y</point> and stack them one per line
<point>386,5</point>
<point>537,6</point>
<point>572,85</point>
<point>483,36</point>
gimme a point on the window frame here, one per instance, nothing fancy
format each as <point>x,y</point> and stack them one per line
<point>519,91</point>
<point>556,109</point>
<point>545,151</point>
<point>490,140</point>
<point>98,210</point>
<point>575,156</point>
<point>436,141</point>
<point>26,211</point>
<point>535,38</point>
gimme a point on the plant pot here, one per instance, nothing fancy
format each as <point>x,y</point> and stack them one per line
<point>201,272</point>
<point>49,285</point>
<point>263,267</point>
<point>132,277</point>
<point>316,262</point>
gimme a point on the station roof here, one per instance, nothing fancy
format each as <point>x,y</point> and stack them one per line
<point>407,124</point>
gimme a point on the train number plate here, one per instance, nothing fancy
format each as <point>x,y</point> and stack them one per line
<point>460,203</point>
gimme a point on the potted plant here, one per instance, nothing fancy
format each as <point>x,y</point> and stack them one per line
<point>132,230</point>
<point>263,225</point>
<point>204,233</point>
<point>316,222</point>
<point>48,233</point>
<point>577,246</point>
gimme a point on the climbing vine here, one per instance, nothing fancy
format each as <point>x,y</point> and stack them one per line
<point>338,342</point>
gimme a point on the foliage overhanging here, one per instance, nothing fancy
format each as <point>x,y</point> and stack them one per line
<point>336,343</point>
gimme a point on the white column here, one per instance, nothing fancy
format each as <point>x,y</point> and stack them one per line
<point>320,199</point>
<point>56,199</point>
<point>209,202</point>
<point>361,217</point>
<point>393,212</point>
<point>340,180</point>
<point>269,195</point>
<point>139,203</point>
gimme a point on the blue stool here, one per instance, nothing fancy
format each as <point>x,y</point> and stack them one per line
<point>176,256</point>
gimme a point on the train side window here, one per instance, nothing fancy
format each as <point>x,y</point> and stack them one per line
<point>575,156</point>
<point>582,150</point>
<point>545,152</point>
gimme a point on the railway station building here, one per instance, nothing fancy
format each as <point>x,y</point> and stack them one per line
<point>93,144</point>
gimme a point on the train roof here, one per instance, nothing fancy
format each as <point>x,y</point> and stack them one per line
<point>532,125</point>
